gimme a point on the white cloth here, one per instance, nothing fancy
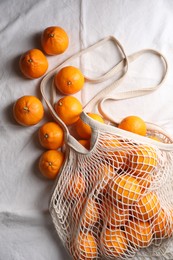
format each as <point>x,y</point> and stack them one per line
<point>26,230</point>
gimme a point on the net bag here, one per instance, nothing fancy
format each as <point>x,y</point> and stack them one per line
<point>114,201</point>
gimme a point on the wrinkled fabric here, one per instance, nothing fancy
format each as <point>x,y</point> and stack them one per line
<point>26,229</point>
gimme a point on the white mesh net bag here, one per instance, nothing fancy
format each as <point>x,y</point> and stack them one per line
<point>114,201</point>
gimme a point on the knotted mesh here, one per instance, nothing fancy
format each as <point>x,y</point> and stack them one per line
<point>116,201</point>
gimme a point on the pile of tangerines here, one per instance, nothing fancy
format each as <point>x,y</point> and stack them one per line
<point>29,110</point>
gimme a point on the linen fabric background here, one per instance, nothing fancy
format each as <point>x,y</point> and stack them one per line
<point>26,229</point>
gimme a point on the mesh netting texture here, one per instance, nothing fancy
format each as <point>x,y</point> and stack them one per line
<point>116,201</point>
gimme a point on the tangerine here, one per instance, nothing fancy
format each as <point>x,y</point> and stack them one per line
<point>54,40</point>
<point>69,80</point>
<point>87,246</point>
<point>147,207</point>
<point>143,158</point>
<point>33,64</point>
<point>113,242</point>
<point>125,189</point>
<point>91,213</point>
<point>162,226</point>
<point>139,233</point>
<point>116,216</point>
<point>85,143</point>
<point>50,163</point>
<point>51,135</point>
<point>68,109</point>
<point>133,124</point>
<point>83,129</point>
<point>75,187</point>
<point>28,110</point>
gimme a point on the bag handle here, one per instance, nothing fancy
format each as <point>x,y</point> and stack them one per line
<point>103,95</point>
<point>123,65</point>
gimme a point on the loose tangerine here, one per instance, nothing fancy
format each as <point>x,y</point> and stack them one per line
<point>69,80</point>
<point>33,64</point>
<point>50,163</point>
<point>68,109</point>
<point>133,124</point>
<point>139,233</point>
<point>51,135</point>
<point>113,242</point>
<point>54,40</point>
<point>83,129</point>
<point>28,110</point>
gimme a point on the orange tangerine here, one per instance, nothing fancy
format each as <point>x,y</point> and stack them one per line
<point>87,246</point>
<point>134,124</point>
<point>125,189</point>
<point>162,226</point>
<point>85,143</point>
<point>75,188</point>
<point>83,129</point>
<point>50,163</point>
<point>113,242</point>
<point>147,207</point>
<point>139,233</point>
<point>91,213</point>
<point>143,158</point>
<point>116,216</point>
<point>145,179</point>
<point>116,152</point>
<point>69,80</point>
<point>68,109</point>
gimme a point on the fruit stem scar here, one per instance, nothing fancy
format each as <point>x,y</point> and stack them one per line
<point>69,83</point>
<point>60,103</point>
<point>26,109</point>
<point>50,164</point>
<point>46,136</point>
<point>29,60</point>
<point>51,35</point>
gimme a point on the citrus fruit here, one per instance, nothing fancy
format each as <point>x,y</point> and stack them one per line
<point>162,225</point>
<point>50,163</point>
<point>75,187</point>
<point>33,64</point>
<point>87,246</point>
<point>143,158</point>
<point>85,143</point>
<point>28,110</point>
<point>113,242</point>
<point>116,216</point>
<point>83,129</point>
<point>133,124</point>
<point>69,80</point>
<point>139,233</point>
<point>68,109</point>
<point>145,179</point>
<point>125,189</point>
<point>54,40</point>
<point>51,135</point>
<point>147,207</point>
<point>91,213</point>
